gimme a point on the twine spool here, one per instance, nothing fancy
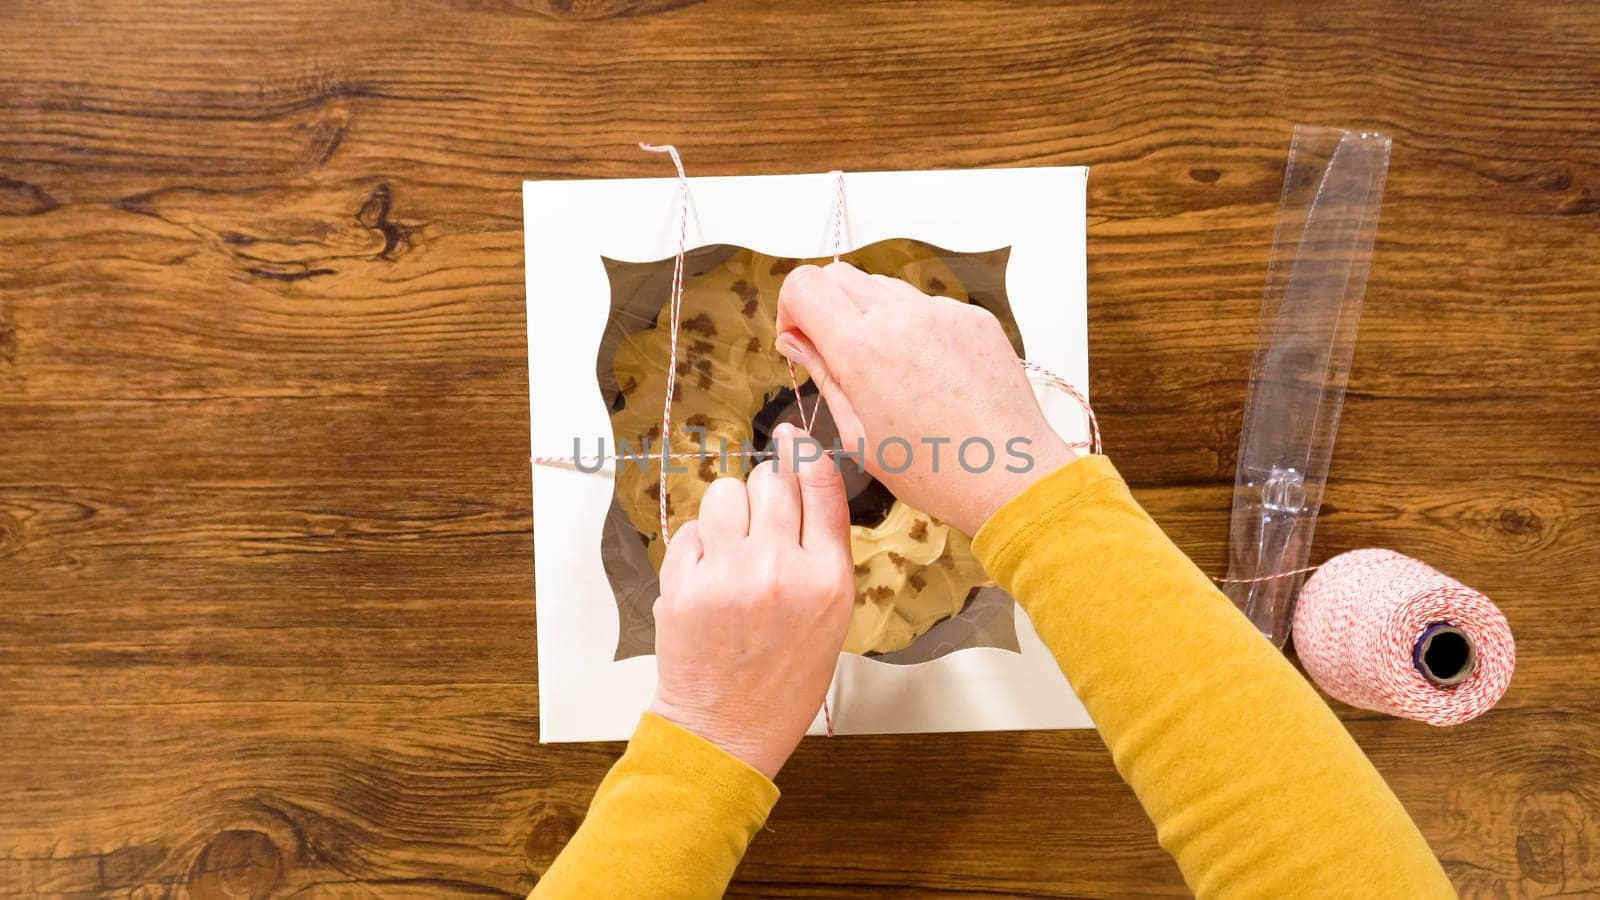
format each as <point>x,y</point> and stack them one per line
<point>1382,631</point>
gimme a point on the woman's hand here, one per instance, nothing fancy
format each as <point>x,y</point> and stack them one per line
<point>755,600</point>
<point>898,366</point>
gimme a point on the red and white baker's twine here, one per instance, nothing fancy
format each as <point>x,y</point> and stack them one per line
<point>1260,578</point>
<point>1357,624</point>
<point>675,301</point>
<point>838,242</point>
<point>1359,621</point>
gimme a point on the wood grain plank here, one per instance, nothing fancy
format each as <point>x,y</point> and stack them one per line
<point>264,518</point>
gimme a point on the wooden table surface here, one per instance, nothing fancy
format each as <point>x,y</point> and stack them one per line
<point>265,553</point>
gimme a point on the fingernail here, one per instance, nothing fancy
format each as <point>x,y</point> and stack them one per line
<point>787,345</point>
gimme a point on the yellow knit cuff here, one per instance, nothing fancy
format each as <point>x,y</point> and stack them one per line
<point>659,747</point>
<point>1016,525</point>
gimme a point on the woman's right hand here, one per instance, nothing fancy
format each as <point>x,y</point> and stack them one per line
<point>905,371</point>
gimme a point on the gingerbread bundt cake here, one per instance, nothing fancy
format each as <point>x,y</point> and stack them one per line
<point>911,570</point>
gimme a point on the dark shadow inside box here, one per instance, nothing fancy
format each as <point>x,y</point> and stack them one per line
<point>639,292</point>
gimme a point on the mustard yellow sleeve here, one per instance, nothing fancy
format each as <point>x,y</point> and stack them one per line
<point>1254,786</point>
<point>671,819</point>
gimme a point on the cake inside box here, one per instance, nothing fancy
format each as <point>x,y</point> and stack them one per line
<point>920,592</point>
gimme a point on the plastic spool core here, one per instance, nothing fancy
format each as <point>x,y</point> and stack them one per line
<point>1445,655</point>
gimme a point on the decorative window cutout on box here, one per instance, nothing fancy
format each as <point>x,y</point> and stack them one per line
<point>920,592</point>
